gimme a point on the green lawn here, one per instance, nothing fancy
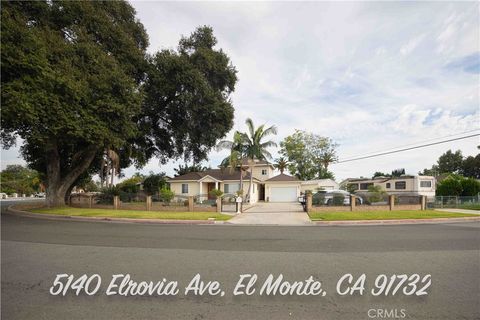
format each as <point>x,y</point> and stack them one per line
<point>383,215</point>
<point>473,206</point>
<point>109,213</point>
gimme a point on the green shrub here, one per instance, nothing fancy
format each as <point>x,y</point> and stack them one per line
<point>166,195</point>
<point>456,185</point>
<point>216,193</point>
<point>470,187</point>
<point>375,194</point>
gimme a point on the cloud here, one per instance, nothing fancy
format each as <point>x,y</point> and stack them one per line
<point>469,63</point>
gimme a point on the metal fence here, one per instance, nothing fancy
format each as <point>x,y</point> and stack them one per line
<point>457,202</point>
<point>229,203</point>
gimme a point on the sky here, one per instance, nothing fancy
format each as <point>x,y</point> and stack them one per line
<point>372,76</point>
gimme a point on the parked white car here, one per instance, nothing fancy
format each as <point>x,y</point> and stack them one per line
<point>327,197</point>
<point>3,195</point>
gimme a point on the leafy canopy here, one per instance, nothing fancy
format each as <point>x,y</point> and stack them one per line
<point>309,155</point>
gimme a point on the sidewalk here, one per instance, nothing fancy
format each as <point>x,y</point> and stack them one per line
<point>460,211</point>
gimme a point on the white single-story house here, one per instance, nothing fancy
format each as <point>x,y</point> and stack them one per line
<point>200,184</point>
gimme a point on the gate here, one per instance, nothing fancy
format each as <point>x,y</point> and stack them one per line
<point>228,203</point>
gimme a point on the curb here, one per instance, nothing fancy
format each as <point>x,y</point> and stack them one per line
<point>395,222</point>
<point>105,219</point>
<point>11,210</point>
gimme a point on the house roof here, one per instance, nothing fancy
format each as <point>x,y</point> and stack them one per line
<point>246,162</point>
<point>283,177</point>
<point>318,181</point>
<point>218,174</point>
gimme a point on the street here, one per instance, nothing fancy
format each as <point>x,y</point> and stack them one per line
<point>34,251</point>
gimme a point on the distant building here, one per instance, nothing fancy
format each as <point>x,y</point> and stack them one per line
<point>320,184</point>
<point>406,185</point>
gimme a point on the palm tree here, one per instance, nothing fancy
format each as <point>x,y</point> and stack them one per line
<point>236,156</point>
<point>254,146</point>
<point>109,163</point>
<point>281,164</point>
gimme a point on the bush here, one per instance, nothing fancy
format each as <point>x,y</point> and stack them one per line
<point>375,194</point>
<point>456,185</point>
<point>166,195</point>
<point>470,186</point>
<point>216,193</point>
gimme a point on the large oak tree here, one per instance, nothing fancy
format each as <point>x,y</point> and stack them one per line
<point>76,80</point>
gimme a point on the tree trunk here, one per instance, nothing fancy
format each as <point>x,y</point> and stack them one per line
<point>247,198</point>
<point>113,174</point>
<point>57,185</point>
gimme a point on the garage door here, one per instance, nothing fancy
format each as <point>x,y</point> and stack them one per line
<point>283,194</point>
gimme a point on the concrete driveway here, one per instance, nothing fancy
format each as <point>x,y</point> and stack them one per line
<point>273,213</point>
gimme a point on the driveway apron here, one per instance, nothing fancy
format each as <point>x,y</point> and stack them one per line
<point>273,213</point>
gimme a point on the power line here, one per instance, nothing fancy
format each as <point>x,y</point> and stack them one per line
<point>411,148</point>
<point>415,143</point>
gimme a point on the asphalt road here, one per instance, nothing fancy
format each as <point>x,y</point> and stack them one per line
<point>35,250</point>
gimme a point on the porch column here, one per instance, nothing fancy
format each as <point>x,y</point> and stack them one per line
<point>201,191</point>
<point>216,185</point>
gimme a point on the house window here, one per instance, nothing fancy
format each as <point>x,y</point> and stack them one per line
<point>400,185</point>
<point>264,172</point>
<point>231,187</point>
<point>426,184</point>
<point>388,185</point>
<point>364,186</point>
<point>184,187</point>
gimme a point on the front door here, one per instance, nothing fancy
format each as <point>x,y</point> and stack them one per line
<point>210,187</point>
<point>261,192</point>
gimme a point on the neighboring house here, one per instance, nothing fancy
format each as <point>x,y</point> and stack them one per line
<point>321,184</point>
<point>404,185</point>
<point>266,187</point>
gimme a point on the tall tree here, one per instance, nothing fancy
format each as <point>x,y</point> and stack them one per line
<point>309,155</point>
<point>234,161</point>
<point>76,81</point>
<point>281,164</point>
<point>450,162</point>
<point>70,79</point>
<point>18,179</point>
<point>187,106</point>
<point>255,147</point>
<point>471,167</point>
<point>398,172</point>
<point>153,183</point>
<point>186,168</point>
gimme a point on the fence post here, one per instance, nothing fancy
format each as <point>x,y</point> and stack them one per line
<point>116,202</point>
<point>423,202</point>
<point>391,202</point>
<point>219,204</point>
<point>90,201</point>
<point>309,202</point>
<point>190,203</point>
<point>352,202</point>
<point>149,203</point>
